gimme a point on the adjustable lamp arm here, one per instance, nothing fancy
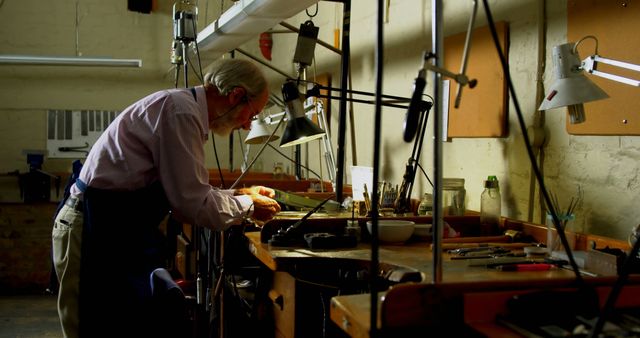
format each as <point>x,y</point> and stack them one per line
<point>590,65</point>
<point>391,101</point>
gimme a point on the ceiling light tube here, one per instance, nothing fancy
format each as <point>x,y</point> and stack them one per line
<point>28,60</point>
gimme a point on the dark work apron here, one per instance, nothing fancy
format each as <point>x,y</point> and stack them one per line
<point>121,246</point>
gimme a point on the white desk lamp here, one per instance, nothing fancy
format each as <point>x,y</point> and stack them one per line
<point>259,132</point>
<point>572,88</point>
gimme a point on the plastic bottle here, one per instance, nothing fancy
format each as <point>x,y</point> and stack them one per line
<point>490,207</point>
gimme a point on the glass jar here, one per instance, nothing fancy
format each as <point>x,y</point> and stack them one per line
<point>425,208</point>
<point>278,170</point>
<point>453,196</point>
<point>553,239</point>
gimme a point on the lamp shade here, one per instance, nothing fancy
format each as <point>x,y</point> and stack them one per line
<point>299,128</point>
<point>571,87</point>
<point>259,133</point>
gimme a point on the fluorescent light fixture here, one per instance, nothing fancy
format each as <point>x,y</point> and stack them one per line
<point>29,60</point>
<point>245,20</point>
<point>572,88</point>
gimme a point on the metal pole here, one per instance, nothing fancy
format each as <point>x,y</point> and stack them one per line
<point>344,74</point>
<point>376,172</point>
<point>437,46</point>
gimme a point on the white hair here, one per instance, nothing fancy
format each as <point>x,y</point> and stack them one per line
<point>230,73</point>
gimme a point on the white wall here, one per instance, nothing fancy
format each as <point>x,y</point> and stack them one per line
<point>604,167</point>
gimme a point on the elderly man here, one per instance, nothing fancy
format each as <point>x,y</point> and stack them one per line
<point>148,163</point>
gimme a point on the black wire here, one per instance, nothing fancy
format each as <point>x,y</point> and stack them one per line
<point>201,77</point>
<point>615,290</point>
<point>314,14</point>
<point>230,233</point>
<point>175,83</point>
<point>424,116</point>
<point>525,136</point>
<point>195,71</point>
<point>213,141</point>
<point>215,152</point>
<point>241,143</point>
<point>290,159</point>
<point>425,175</point>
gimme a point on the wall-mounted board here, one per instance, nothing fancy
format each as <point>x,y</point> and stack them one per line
<point>483,110</point>
<point>616,25</point>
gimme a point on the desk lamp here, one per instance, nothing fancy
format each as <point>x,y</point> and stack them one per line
<point>299,128</point>
<point>259,132</point>
<point>572,88</point>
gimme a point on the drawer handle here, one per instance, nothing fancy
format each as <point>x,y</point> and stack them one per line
<point>276,298</point>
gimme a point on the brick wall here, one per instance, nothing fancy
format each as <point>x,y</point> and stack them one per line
<point>25,247</point>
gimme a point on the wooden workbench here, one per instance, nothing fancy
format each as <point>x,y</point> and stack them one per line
<point>461,281</point>
<point>413,256</point>
<point>476,304</point>
<point>351,313</point>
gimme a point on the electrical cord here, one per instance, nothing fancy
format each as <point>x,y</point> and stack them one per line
<point>264,146</point>
<point>241,145</point>
<point>425,175</point>
<point>314,14</point>
<point>195,71</point>
<point>525,136</point>
<point>198,72</point>
<point>290,159</point>
<point>215,152</point>
<point>220,268</point>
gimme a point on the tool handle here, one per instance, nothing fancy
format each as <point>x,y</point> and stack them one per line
<point>451,246</point>
<point>481,239</point>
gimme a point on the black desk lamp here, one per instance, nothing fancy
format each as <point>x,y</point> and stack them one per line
<point>299,128</point>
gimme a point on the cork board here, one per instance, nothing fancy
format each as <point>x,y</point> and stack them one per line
<point>615,24</point>
<point>483,109</point>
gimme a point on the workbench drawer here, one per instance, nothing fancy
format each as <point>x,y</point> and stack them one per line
<point>282,296</point>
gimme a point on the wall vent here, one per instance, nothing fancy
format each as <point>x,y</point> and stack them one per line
<point>72,133</point>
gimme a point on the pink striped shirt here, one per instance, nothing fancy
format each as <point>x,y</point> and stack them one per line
<point>161,137</point>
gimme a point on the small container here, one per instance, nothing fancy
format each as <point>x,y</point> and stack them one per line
<point>553,239</point>
<point>425,208</point>
<point>633,237</point>
<point>393,230</point>
<point>353,228</point>
<point>278,170</point>
<point>453,195</point>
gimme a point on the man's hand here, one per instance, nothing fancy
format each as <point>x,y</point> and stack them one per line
<point>264,208</point>
<point>256,190</point>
